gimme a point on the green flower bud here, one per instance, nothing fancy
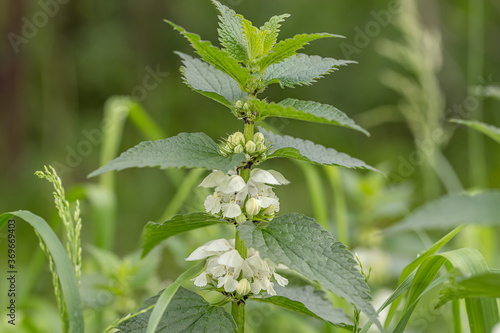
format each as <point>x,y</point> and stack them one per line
<point>252,207</point>
<point>258,137</point>
<point>260,147</point>
<point>243,287</point>
<point>240,218</point>
<point>238,104</point>
<point>238,149</point>
<point>250,147</point>
<point>237,138</point>
<point>270,210</point>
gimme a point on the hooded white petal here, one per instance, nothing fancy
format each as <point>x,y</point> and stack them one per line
<point>230,285</point>
<point>256,286</point>
<point>231,210</point>
<point>232,184</point>
<point>280,279</point>
<point>201,280</point>
<point>219,245</point>
<point>214,179</point>
<point>212,204</point>
<point>279,177</point>
<point>209,249</point>
<point>263,176</point>
<point>231,259</point>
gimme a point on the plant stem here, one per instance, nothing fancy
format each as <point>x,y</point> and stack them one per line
<point>238,307</point>
<point>248,132</point>
<point>238,312</point>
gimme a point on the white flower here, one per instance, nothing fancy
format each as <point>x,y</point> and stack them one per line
<point>231,192</point>
<point>231,184</point>
<point>214,179</point>
<point>229,283</point>
<point>213,203</point>
<point>231,259</point>
<point>267,177</point>
<point>211,248</point>
<point>227,269</point>
<point>201,280</point>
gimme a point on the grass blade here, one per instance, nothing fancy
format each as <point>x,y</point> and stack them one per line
<point>64,267</point>
<point>168,293</point>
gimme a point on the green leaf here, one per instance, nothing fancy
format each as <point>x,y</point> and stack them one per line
<point>410,269</point>
<point>308,111</point>
<point>209,81</point>
<point>288,47</point>
<point>215,57</point>
<point>301,69</point>
<point>231,34</point>
<point>303,245</point>
<point>63,266</point>
<point>481,285</point>
<point>466,261</point>
<point>482,314</point>
<point>155,233</point>
<point>307,301</point>
<point>304,150</point>
<point>255,41</point>
<point>491,131</point>
<point>186,311</point>
<point>186,150</point>
<point>452,211</point>
<point>273,28</point>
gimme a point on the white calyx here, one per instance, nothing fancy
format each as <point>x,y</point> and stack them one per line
<point>227,269</point>
<point>231,193</point>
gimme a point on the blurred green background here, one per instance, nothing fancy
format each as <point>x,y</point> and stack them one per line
<point>60,62</point>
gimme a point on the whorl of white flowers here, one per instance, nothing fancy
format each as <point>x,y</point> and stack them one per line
<point>255,149</point>
<point>235,198</point>
<point>228,270</point>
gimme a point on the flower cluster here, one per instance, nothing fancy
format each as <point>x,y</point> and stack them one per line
<point>227,269</point>
<point>235,198</point>
<point>255,149</point>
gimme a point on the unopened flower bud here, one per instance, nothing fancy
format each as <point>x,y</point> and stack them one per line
<point>238,104</point>
<point>246,107</point>
<point>258,137</point>
<point>244,287</point>
<point>240,218</point>
<point>238,149</point>
<point>250,147</point>
<point>237,138</point>
<point>252,207</point>
<point>260,147</point>
<point>270,210</point>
